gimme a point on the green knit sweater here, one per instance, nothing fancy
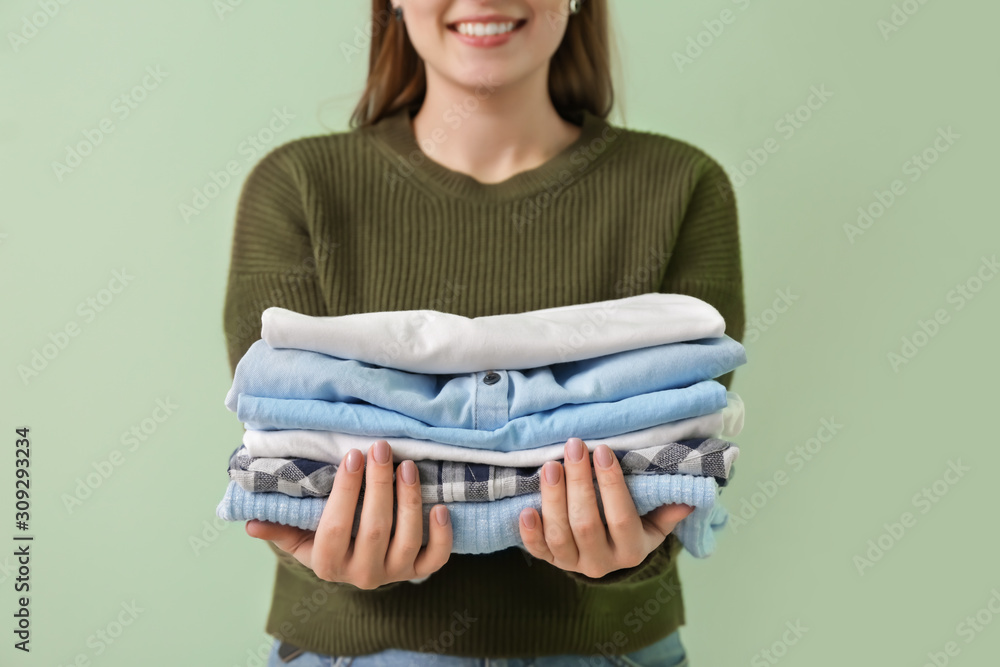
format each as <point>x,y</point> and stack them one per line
<point>364,221</point>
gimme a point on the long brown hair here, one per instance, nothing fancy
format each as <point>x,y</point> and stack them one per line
<point>579,72</point>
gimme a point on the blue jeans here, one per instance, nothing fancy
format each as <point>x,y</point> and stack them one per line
<point>668,652</point>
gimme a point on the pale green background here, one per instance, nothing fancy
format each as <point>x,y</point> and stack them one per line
<point>826,357</point>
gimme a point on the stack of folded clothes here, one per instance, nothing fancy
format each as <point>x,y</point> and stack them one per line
<point>479,404</point>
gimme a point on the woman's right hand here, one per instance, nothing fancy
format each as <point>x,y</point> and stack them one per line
<point>373,557</point>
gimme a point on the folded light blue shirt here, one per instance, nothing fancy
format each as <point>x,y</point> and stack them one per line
<point>584,421</point>
<point>493,526</point>
<point>486,399</point>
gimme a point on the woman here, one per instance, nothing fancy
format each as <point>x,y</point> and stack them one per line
<point>480,178</point>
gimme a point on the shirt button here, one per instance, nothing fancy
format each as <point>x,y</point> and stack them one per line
<point>491,378</point>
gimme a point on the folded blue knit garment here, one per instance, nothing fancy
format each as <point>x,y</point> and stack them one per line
<point>586,420</point>
<point>480,400</point>
<point>493,526</point>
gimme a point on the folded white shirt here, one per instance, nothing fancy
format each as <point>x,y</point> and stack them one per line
<point>431,341</point>
<point>332,447</point>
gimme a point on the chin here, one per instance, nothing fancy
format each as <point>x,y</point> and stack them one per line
<point>489,78</point>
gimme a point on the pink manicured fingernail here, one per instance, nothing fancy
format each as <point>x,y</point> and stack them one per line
<point>353,460</point>
<point>528,519</point>
<point>574,450</point>
<point>381,451</point>
<point>441,514</point>
<point>602,456</point>
<point>551,472</point>
<point>409,471</point>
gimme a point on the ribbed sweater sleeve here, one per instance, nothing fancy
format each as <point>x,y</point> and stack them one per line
<point>273,263</point>
<point>705,263</point>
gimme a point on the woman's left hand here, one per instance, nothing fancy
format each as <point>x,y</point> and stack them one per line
<point>572,535</point>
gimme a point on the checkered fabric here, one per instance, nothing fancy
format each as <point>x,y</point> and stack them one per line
<point>292,477</point>
<point>449,481</point>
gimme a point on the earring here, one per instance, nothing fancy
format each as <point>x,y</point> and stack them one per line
<point>574,6</point>
<point>398,11</point>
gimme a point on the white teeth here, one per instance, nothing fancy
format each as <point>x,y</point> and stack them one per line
<point>481,29</point>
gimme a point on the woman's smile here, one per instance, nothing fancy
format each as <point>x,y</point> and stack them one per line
<point>486,31</point>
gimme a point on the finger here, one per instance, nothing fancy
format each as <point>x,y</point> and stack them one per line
<point>532,535</point>
<point>620,514</point>
<point>555,519</point>
<point>433,556</point>
<point>292,540</point>
<point>407,539</point>
<point>581,500</point>
<point>664,519</point>
<point>333,534</point>
<point>376,509</point>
